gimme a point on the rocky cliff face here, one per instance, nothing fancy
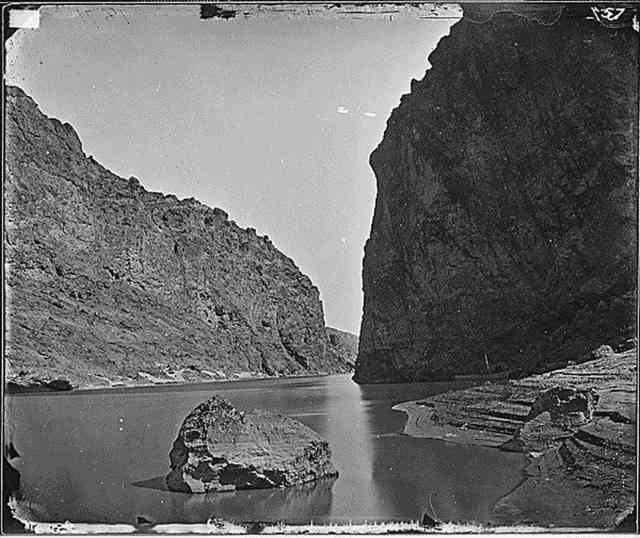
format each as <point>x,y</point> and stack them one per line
<point>504,230</point>
<point>344,344</point>
<point>107,281</point>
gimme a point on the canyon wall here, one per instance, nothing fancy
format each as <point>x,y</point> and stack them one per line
<point>504,233</point>
<point>107,282</point>
<point>344,343</point>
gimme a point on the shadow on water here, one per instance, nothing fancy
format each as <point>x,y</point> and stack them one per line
<point>296,504</point>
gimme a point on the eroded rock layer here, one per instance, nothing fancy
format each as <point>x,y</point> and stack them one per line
<point>577,425</point>
<point>220,448</point>
<point>504,233</point>
<point>108,283</point>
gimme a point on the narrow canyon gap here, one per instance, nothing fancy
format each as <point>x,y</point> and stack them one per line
<point>270,117</point>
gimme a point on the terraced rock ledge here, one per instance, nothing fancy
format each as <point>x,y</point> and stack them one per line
<point>577,424</point>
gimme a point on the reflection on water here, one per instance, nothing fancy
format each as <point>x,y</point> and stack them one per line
<point>297,504</point>
<point>412,477</point>
<point>101,456</point>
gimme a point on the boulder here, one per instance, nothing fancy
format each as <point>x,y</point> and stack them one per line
<point>220,448</point>
<point>566,404</point>
<point>538,434</point>
<point>59,384</point>
<point>601,352</point>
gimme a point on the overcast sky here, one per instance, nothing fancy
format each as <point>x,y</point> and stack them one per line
<point>270,118</point>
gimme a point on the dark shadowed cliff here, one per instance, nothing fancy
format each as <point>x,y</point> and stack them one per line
<point>504,231</point>
<point>109,282</point>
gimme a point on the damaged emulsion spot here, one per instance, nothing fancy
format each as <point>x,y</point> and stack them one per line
<point>212,11</point>
<point>24,16</point>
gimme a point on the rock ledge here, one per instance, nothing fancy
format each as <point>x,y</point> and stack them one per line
<point>577,426</point>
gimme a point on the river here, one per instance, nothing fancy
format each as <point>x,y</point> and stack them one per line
<point>99,456</point>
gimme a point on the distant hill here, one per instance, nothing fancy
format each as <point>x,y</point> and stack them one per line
<point>344,343</point>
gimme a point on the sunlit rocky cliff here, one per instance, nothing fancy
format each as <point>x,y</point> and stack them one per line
<point>109,283</point>
<point>504,233</point>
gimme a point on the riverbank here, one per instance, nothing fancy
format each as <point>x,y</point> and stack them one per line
<point>148,381</point>
<point>577,426</point>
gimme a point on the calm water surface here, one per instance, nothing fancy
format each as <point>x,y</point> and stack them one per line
<point>99,456</point>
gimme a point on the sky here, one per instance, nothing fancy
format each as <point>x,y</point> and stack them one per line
<point>271,118</point>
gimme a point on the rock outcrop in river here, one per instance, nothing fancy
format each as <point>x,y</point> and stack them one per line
<point>577,425</point>
<point>220,448</point>
<point>504,233</point>
<point>108,283</point>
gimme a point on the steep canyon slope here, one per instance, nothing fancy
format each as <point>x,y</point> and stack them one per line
<point>109,283</point>
<point>504,232</point>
